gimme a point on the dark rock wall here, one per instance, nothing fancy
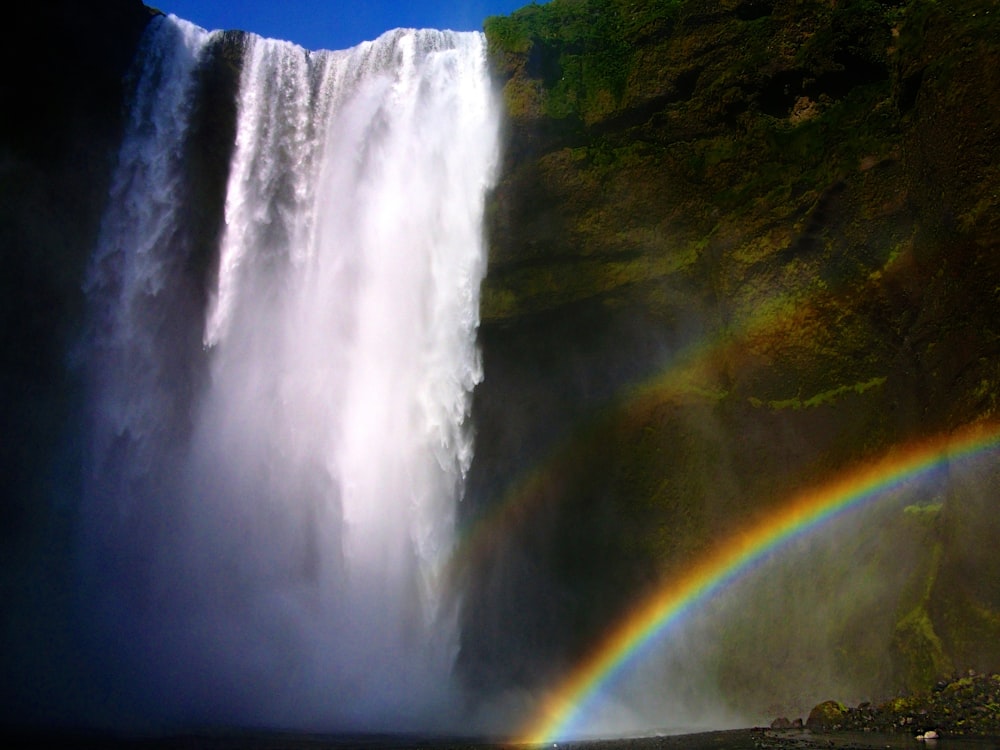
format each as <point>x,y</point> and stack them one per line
<point>62,83</point>
<point>62,88</point>
<point>734,250</point>
<point>65,85</point>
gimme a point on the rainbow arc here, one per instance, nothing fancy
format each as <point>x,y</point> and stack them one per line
<point>584,686</point>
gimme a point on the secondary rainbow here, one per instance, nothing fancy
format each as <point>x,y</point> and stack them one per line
<point>582,687</point>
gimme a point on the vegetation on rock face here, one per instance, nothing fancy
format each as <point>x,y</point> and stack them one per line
<point>826,715</point>
<point>736,248</point>
<point>580,53</point>
<point>967,706</point>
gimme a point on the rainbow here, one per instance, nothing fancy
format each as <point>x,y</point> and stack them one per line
<point>690,370</point>
<point>582,687</point>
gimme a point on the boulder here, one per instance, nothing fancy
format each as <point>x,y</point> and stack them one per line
<point>826,716</point>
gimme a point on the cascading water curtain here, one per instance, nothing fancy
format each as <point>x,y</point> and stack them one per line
<point>266,543</point>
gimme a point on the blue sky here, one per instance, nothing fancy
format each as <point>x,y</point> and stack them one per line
<point>335,24</point>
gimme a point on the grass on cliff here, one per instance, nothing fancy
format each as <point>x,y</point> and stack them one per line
<point>579,50</point>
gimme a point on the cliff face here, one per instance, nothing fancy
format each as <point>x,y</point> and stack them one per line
<point>57,148</point>
<point>736,248</point>
<point>67,103</point>
<point>58,140</point>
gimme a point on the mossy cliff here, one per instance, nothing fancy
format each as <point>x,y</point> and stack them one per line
<point>736,248</point>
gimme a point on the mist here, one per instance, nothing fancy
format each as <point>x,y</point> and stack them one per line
<point>817,617</point>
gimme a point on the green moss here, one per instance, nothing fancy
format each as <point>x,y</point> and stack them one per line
<point>834,394</point>
<point>827,715</point>
<point>523,97</point>
<point>580,50</point>
<point>969,628</point>
<point>921,659</point>
<point>509,35</point>
<point>542,286</point>
<point>924,514</point>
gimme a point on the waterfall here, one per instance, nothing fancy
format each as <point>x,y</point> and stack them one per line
<point>276,454</point>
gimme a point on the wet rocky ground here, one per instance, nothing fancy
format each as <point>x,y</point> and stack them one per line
<point>958,714</point>
<point>786,739</point>
<point>736,739</point>
<point>967,706</point>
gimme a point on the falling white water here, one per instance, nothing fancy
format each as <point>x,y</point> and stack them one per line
<point>277,530</point>
<point>133,261</point>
